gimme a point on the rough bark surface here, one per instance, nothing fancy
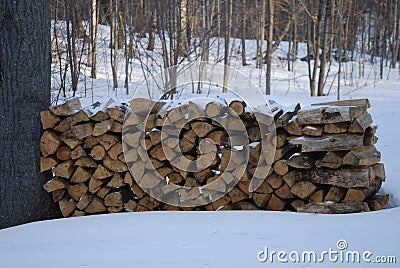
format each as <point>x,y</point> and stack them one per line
<point>24,92</point>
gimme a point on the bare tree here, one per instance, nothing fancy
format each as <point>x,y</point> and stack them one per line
<point>93,38</point>
<point>228,26</point>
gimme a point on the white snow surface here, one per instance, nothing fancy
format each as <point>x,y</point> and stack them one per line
<point>196,239</point>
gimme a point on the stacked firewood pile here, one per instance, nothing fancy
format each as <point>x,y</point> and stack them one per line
<point>323,158</point>
<point>337,161</point>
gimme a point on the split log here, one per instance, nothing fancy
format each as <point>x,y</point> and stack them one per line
<point>116,181</point>
<point>294,128</point>
<point>335,194</point>
<point>360,124</point>
<point>275,180</point>
<point>281,167</point>
<point>63,153</point>
<point>261,200</point>
<point>202,129</point>
<point>203,175</point>
<point>284,192</point>
<point>116,113</point>
<point>314,130</point>
<point>57,195</point>
<point>102,127</point>
<point>237,195</point>
<point>379,171</point>
<point>194,111</point>
<point>337,142</point>
<point>219,203</point>
<point>66,206</point>
<point>300,161</point>
<point>132,206</point>
<point>90,142</point>
<point>66,109</point>
<point>336,128</point>
<point>78,152</point>
<point>254,134</point>
<point>175,115</point>
<point>151,122</point>
<point>137,190</point>
<point>275,203</point>
<point>115,165</point>
<point>150,180</point>
<point>219,137</point>
<point>116,127</point>
<point>238,107</point>
<point>214,109</point>
<point>333,208</point>
<point>96,206</point>
<point>331,160</point>
<point>64,169</point>
<point>77,118</point>
<point>99,116</point>
<point>356,102</point>
<point>288,114</point>
<point>115,151</point>
<point>107,140</point>
<point>155,137</point>
<point>86,162</point>
<point>103,192</point>
<point>95,185</point>
<point>102,173</point>
<point>84,201</point>
<point>47,163</point>
<point>175,178</point>
<point>324,115</point>
<point>113,200</point>
<point>76,191</point>
<point>281,152</point>
<point>369,136</point>
<point>264,188</point>
<point>80,131</point>
<point>241,206</point>
<point>292,177</point>
<point>49,120</point>
<point>297,203</point>
<point>49,143</point>
<point>71,141</point>
<point>354,195</point>
<point>303,189</point>
<point>360,177</point>
<point>149,202</point>
<point>80,175</point>
<point>282,140</point>
<point>378,202</point>
<point>317,197</point>
<point>98,152</point>
<point>363,156</point>
<point>55,184</point>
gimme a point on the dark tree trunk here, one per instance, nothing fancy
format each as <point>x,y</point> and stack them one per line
<point>24,92</point>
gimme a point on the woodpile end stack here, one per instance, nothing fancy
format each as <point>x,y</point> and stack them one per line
<point>325,160</point>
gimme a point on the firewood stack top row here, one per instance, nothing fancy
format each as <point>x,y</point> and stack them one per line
<point>323,157</point>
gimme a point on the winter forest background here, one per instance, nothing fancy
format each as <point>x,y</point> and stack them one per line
<point>318,46</point>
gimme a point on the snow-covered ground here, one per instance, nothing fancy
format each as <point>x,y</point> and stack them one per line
<point>203,239</point>
<point>227,238</point>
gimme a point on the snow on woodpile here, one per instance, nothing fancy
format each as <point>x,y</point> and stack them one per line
<point>109,158</point>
